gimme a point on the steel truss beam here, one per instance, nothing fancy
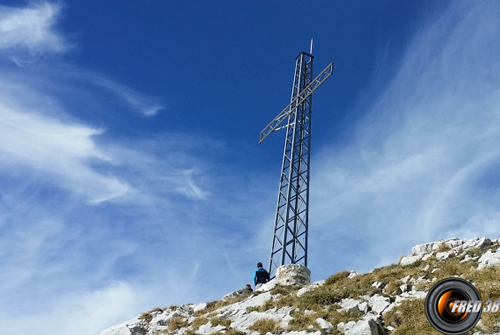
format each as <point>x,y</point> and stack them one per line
<point>289,244</point>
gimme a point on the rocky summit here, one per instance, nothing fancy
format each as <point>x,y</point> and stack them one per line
<point>387,300</point>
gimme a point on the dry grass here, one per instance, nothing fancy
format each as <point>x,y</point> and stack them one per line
<point>253,309</point>
<point>409,319</point>
<point>302,321</point>
<point>229,332</point>
<point>486,282</point>
<point>177,323</point>
<point>222,322</point>
<point>214,305</point>
<point>334,317</point>
<point>393,287</point>
<point>443,247</point>
<point>263,326</point>
<point>337,277</point>
<point>200,321</point>
<point>284,289</point>
<point>148,316</point>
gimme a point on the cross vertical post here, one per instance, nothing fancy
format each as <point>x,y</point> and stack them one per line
<point>291,222</point>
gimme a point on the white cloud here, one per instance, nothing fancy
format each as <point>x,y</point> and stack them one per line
<point>145,105</point>
<point>79,312</point>
<point>413,172</point>
<point>420,166</point>
<point>59,255</point>
<point>30,30</point>
<point>62,151</point>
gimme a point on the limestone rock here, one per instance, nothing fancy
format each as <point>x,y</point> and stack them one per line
<point>432,246</point>
<point>378,285</point>
<point>199,307</point>
<point>476,242</point>
<point>323,324</point>
<point>352,305</point>
<point>489,258</point>
<point>125,328</point>
<point>304,332</point>
<point>341,326</point>
<point>374,308</point>
<point>252,301</point>
<point>468,258</point>
<point>269,286</point>
<point>293,274</point>
<point>242,320</point>
<point>378,303</point>
<point>207,329</point>
<point>310,287</point>
<point>352,274</point>
<point>427,256</point>
<point>407,260</point>
<point>364,327</point>
<point>441,256</point>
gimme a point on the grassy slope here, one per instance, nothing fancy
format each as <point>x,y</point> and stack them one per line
<point>407,318</point>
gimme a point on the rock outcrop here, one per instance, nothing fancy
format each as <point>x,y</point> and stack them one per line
<point>348,302</point>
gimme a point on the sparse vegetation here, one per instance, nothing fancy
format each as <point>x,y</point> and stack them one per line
<point>320,297</point>
<point>199,322</point>
<point>337,277</point>
<point>393,287</point>
<point>263,326</point>
<point>218,321</point>
<point>284,289</point>
<point>334,317</point>
<point>177,323</point>
<point>253,309</point>
<point>229,332</point>
<point>148,316</point>
<point>443,247</point>
<point>302,321</point>
<point>214,305</point>
<point>407,318</point>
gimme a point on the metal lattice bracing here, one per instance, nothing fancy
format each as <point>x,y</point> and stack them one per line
<point>292,216</point>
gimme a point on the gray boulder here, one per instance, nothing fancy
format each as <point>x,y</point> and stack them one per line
<point>293,274</point>
<point>488,259</point>
<point>368,326</point>
<point>407,260</point>
<point>323,324</point>
<point>378,303</point>
<point>476,242</point>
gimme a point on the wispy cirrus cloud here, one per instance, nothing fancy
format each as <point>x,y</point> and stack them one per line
<point>76,198</point>
<point>39,129</point>
<point>63,153</point>
<point>144,105</point>
<point>422,163</point>
<point>30,31</point>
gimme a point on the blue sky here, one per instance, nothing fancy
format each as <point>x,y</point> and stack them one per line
<point>131,176</point>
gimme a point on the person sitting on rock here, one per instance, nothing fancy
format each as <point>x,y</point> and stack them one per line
<point>261,276</point>
<point>246,290</point>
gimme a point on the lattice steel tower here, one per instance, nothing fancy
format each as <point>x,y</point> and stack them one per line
<point>292,215</point>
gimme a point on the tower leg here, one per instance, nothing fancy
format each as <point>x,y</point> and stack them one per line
<point>289,244</point>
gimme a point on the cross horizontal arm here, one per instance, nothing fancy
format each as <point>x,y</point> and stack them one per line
<point>278,120</point>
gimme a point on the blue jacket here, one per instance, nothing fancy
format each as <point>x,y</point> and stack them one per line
<point>260,276</point>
